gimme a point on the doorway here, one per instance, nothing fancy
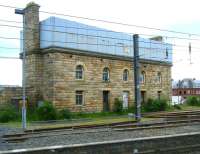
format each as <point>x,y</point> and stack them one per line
<point>143,97</point>
<point>106,107</point>
<point>125,99</point>
<point>159,95</point>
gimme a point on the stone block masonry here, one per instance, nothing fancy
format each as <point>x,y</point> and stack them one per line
<point>60,83</point>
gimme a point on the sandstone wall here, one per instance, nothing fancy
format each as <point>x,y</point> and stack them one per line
<point>60,84</point>
<point>34,77</point>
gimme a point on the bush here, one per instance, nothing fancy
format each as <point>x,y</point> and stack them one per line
<point>64,114</point>
<point>178,107</point>
<point>131,109</point>
<point>46,111</point>
<point>31,113</point>
<point>118,107</point>
<point>193,100</point>
<point>8,113</point>
<point>155,105</point>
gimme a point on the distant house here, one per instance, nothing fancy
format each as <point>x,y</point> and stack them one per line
<point>10,94</point>
<point>186,87</point>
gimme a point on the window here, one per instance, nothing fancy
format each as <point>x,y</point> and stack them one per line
<point>125,75</point>
<point>79,72</point>
<point>159,77</point>
<point>79,97</point>
<point>142,77</point>
<point>106,74</point>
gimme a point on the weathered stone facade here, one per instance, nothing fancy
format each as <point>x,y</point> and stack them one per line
<point>60,84</point>
<point>9,94</point>
<point>50,74</point>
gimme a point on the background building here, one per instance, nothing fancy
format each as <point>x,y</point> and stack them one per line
<point>84,68</point>
<point>11,94</point>
<point>186,87</point>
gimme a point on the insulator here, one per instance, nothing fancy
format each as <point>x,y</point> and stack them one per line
<point>190,52</point>
<point>166,53</point>
<point>190,48</point>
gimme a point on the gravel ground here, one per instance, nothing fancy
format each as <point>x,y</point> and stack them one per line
<point>6,130</point>
<point>91,137</point>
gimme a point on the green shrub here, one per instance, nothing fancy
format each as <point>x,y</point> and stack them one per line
<point>32,113</point>
<point>64,114</point>
<point>46,112</point>
<point>130,109</point>
<point>118,106</point>
<point>178,107</point>
<point>193,100</point>
<point>155,105</point>
<point>8,113</point>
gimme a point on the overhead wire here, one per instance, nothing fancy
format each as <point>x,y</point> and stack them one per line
<point>125,24</point>
<point>112,22</point>
<point>103,30</point>
<point>6,57</point>
<point>106,21</point>
<point>78,34</point>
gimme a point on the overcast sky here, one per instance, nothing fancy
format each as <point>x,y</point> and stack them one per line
<point>179,15</point>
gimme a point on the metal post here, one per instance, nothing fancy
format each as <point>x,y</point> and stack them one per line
<point>21,12</point>
<point>137,78</point>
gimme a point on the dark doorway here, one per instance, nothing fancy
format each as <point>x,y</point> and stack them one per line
<point>143,97</point>
<point>159,95</point>
<point>106,107</point>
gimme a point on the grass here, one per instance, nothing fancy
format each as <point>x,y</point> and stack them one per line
<point>189,107</point>
<point>96,115</point>
<point>91,121</point>
<point>12,124</point>
<point>88,119</point>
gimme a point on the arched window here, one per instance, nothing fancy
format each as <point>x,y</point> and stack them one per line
<point>106,75</point>
<point>125,75</point>
<point>159,77</point>
<point>79,72</point>
<point>142,77</point>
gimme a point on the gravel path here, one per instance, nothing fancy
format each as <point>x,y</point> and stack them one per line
<point>91,137</point>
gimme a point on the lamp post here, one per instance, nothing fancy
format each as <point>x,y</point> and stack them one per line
<point>21,12</point>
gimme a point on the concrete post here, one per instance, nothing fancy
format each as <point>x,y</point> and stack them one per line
<point>137,78</point>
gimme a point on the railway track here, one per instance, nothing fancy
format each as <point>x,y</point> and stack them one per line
<point>13,138</point>
<point>170,119</point>
<point>67,130</point>
<point>166,114</point>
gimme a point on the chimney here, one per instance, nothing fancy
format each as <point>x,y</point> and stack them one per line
<point>32,27</point>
